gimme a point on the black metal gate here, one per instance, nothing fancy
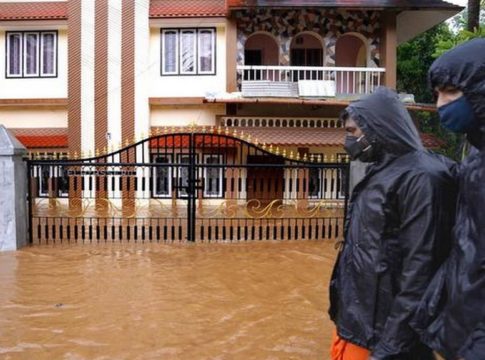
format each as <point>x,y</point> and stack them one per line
<point>190,186</point>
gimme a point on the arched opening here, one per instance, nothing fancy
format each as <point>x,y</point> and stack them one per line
<point>306,49</point>
<point>261,49</point>
<point>350,51</point>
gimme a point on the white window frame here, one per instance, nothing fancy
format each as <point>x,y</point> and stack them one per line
<point>25,57</point>
<point>23,54</point>
<point>221,176</point>
<point>21,51</point>
<point>213,51</point>
<point>177,66</point>
<point>196,50</point>
<point>41,52</point>
<point>169,159</point>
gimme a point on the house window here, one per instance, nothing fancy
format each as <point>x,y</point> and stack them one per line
<point>162,176</point>
<point>188,51</point>
<point>183,174</point>
<point>31,54</point>
<point>315,182</point>
<point>213,176</point>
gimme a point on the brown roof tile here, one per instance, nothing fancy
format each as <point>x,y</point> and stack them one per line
<point>305,136</point>
<point>33,10</point>
<point>187,8</point>
<point>33,138</point>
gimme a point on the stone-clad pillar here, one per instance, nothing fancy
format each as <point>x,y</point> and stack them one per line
<point>13,193</point>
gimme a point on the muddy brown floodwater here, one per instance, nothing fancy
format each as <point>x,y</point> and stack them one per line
<point>151,301</point>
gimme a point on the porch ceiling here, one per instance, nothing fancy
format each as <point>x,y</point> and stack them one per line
<point>361,4</point>
<point>342,103</point>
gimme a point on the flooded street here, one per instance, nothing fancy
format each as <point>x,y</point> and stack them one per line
<point>154,301</point>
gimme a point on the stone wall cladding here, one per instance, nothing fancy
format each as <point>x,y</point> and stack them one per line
<point>328,24</point>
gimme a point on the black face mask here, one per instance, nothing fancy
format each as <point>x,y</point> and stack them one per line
<point>360,148</point>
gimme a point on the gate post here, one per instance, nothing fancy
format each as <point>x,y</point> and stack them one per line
<point>13,193</point>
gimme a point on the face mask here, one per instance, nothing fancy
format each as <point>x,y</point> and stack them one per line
<point>359,148</point>
<point>457,115</point>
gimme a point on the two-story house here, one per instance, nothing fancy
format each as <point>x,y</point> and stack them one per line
<point>86,75</point>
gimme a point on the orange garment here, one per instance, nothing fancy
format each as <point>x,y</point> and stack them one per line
<point>343,350</point>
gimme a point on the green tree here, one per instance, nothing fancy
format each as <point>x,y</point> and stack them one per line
<point>414,58</point>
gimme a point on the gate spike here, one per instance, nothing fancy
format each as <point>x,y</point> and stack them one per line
<point>76,156</point>
<point>305,157</point>
<point>277,152</point>
<point>105,150</point>
<point>325,158</point>
<point>234,133</point>
<point>312,157</point>
<point>97,153</point>
<point>284,153</point>
<point>291,155</point>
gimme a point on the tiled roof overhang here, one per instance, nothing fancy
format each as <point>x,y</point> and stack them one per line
<point>33,10</point>
<point>282,136</point>
<point>187,8</point>
<point>41,138</point>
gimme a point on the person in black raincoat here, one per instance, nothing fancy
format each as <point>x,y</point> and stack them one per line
<point>397,231</point>
<point>451,317</point>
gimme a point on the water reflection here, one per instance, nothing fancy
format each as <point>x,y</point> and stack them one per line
<point>150,301</point>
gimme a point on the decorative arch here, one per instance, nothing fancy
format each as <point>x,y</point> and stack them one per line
<point>307,48</point>
<point>352,50</point>
<point>261,48</point>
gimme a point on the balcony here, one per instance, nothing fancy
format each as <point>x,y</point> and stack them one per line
<point>308,81</point>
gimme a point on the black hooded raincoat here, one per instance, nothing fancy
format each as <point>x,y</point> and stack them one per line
<point>451,318</point>
<point>397,234</point>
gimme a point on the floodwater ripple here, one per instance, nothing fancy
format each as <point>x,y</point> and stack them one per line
<point>155,301</point>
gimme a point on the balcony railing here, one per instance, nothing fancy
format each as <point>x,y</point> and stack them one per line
<point>308,81</point>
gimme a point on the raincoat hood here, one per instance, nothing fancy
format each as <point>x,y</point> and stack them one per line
<point>383,117</point>
<point>464,68</point>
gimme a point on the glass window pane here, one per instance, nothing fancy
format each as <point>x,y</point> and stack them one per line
<point>44,180</point>
<point>162,177</point>
<point>206,51</point>
<point>183,175</point>
<point>169,52</point>
<point>14,54</point>
<point>48,53</point>
<point>31,54</point>
<point>63,181</point>
<point>187,51</point>
<point>314,183</point>
<point>213,177</point>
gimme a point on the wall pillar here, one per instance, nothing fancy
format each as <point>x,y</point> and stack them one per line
<point>13,193</point>
<point>389,48</point>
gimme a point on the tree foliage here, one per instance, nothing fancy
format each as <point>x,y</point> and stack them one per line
<point>414,58</point>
